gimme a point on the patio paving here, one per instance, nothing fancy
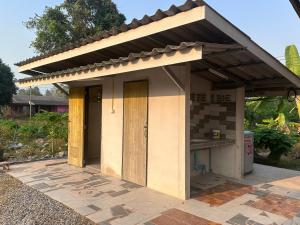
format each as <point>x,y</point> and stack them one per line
<point>222,193</point>
<point>268,196</point>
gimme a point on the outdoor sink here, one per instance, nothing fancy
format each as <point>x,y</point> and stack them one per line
<point>199,140</point>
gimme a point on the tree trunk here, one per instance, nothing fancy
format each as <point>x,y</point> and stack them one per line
<point>1,154</point>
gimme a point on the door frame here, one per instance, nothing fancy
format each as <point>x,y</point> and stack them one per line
<point>86,123</point>
<point>124,83</point>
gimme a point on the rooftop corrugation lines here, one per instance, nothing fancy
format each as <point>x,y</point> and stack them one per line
<point>111,62</point>
<point>159,15</point>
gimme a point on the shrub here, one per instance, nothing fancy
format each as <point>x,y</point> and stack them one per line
<point>7,131</point>
<point>30,131</point>
<point>55,125</point>
<point>45,134</point>
<point>275,140</point>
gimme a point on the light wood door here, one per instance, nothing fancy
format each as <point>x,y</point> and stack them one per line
<point>135,132</point>
<point>76,126</point>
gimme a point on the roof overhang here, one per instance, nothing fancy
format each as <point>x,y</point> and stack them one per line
<point>221,23</point>
<point>123,65</point>
<point>168,23</point>
<point>249,65</point>
<point>296,5</point>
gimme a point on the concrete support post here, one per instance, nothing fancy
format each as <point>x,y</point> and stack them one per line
<point>183,75</point>
<point>240,115</point>
<point>187,157</point>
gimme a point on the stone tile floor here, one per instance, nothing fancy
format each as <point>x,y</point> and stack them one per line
<point>268,196</point>
<point>223,193</point>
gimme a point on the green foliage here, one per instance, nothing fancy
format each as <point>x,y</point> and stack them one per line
<point>275,140</point>
<point>273,110</point>
<point>34,91</point>
<point>54,91</point>
<point>29,131</point>
<point>10,124</point>
<point>7,85</point>
<point>45,131</point>
<point>71,21</point>
<point>293,63</point>
<point>292,59</point>
<point>55,125</point>
<point>7,131</point>
<point>45,125</point>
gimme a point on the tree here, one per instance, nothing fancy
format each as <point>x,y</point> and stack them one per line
<point>71,21</point>
<point>56,92</point>
<point>48,93</point>
<point>34,91</point>
<point>276,111</point>
<point>7,85</point>
<point>293,63</point>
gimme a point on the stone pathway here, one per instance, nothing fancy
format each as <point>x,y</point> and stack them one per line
<point>268,196</point>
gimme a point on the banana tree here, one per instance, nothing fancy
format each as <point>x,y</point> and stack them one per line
<point>279,119</point>
<point>293,63</point>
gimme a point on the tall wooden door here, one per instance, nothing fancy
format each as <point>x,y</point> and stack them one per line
<point>135,132</point>
<point>76,126</point>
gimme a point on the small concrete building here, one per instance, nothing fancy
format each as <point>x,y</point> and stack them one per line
<point>147,99</point>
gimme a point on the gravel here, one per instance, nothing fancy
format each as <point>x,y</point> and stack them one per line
<point>22,205</point>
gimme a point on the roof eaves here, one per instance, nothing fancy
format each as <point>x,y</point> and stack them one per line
<point>111,62</point>
<point>296,5</point>
<point>159,15</point>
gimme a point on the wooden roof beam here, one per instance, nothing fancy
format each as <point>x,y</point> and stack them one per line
<point>257,84</point>
<point>233,66</point>
<point>225,53</point>
<point>230,76</point>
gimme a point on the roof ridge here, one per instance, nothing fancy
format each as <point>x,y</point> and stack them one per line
<point>135,23</point>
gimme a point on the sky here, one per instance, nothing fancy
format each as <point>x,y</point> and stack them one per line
<point>273,24</point>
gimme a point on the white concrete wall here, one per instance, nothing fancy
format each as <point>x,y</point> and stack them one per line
<point>168,133</point>
<point>228,161</point>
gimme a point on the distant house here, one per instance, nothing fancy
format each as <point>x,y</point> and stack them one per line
<point>20,106</point>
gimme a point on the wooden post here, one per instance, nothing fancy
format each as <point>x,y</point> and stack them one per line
<point>30,107</point>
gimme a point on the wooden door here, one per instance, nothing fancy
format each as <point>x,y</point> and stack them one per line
<point>76,126</point>
<point>135,132</point>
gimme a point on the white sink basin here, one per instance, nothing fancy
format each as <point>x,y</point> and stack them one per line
<point>199,140</point>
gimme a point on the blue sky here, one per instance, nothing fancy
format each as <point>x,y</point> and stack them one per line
<point>272,24</point>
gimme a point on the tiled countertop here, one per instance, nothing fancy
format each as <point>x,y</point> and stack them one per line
<point>202,144</point>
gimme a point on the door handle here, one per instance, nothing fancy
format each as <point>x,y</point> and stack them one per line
<point>146,130</point>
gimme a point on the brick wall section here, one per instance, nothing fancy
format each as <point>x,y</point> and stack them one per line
<point>217,111</point>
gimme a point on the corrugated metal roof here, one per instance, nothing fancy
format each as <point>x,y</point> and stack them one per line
<point>39,100</point>
<point>135,56</point>
<point>159,15</point>
<point>296,5</point>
